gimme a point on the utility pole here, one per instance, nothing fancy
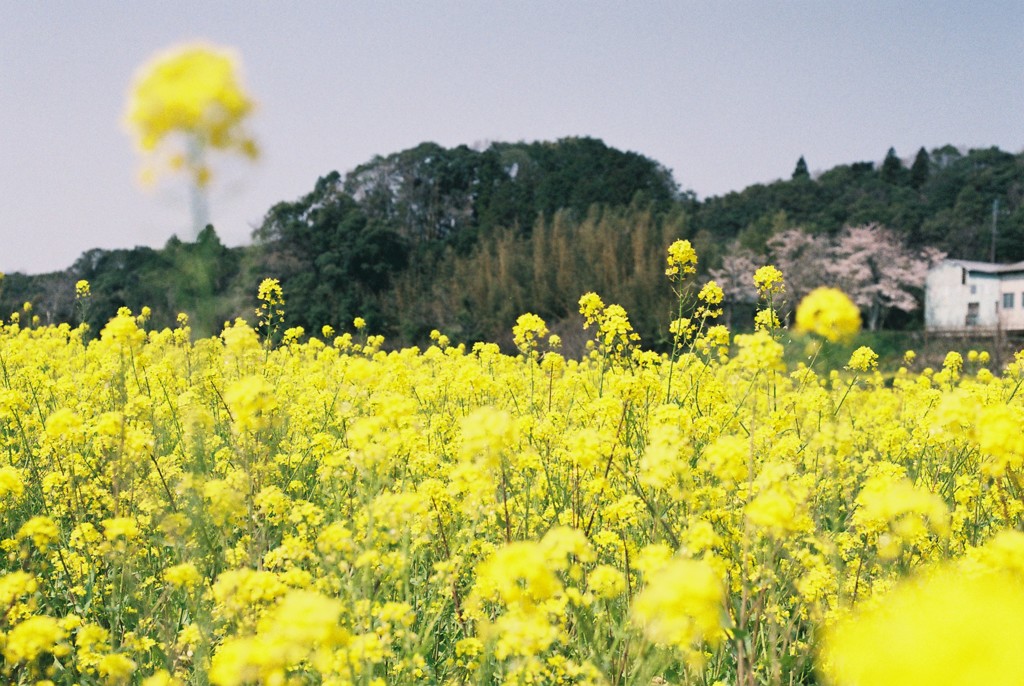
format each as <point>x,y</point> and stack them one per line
<point>995,213</point>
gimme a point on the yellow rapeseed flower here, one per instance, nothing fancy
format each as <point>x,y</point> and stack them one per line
<point>727,458</point>
<point>41,530</point>
<point>12,485</point>
<point>943,628</point>
<point>517,573</point>
<point>682,605</point>
<point>33,637</point>
<point>116,668</point>
<point>251,400</point>
<point>195,91</point>
<point>117,527</point>
<point>768,281</point>
<point>606,581</point>
<point>682,259</point>
<point>14,585</point>
<point>829,313</point>
<point>184,575</point>
<point>527,332</point>
<point>863,359</point>
<point>711,293</point>
<point>1000,439</point>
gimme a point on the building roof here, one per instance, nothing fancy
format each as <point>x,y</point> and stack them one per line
<point>988,267</point>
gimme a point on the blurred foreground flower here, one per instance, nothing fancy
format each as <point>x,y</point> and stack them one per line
<point>682,606</point>
<point>190,97</point>
<point>947,627</point>
<point>828,312</point>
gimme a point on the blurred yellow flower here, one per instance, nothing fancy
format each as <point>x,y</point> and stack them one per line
<point>116,527</point>
<point>945,628</point>
<point>829,313</point>
<point>33,637</point>
<point>194,90</point>
<point>251,401</point>
<point>682,605</point>
<point>184,575</point>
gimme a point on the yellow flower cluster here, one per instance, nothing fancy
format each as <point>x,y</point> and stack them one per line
<point>768,280</point>
<point>234,510</point>
<point>682,260</point>
<point>193,91</point>
<point>946,627</point>
<point>682,605</point>
<point>527,332</point>
<point>829,313</point>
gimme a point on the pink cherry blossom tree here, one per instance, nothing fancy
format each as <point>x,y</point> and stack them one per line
<point>870,263</point>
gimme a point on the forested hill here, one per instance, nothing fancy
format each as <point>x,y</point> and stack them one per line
<point>943,198</point>
<point>466,239</point>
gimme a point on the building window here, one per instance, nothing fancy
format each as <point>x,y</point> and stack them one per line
<point>972,314</point>
<point>974,289</point>
<point>1007,301</point>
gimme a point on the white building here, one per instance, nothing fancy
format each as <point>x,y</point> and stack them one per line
<point>964,296</point>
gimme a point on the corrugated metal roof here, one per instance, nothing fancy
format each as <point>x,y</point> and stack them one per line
<point>989,267</point>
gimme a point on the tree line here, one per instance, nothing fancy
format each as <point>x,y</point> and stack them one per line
<point>466,239</point>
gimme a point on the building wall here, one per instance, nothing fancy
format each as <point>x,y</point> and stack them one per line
<point>952,292</point>
<point>1011,317</point>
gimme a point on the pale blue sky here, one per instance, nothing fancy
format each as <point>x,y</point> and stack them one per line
<point>724,93</point>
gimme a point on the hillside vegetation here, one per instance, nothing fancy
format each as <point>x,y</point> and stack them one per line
<point>466,240</point>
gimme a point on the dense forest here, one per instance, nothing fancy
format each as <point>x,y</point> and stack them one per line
<point>465,240</point>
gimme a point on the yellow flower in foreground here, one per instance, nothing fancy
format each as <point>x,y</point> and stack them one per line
<point>911,511</point>
<point>606,582</point>
<point>768,280</point>
<point>11,484</point>
<point>120,526</point>
<point>518,573</point>
<point>774,510</point>
<point>116,668</point>
<point>681,605</point>
<point>302,628</point>
<point>863,359</point>
<point>123,329</point>
<point>251,401</point>
<point>828,312</point>
<point>162,678</point>
<point>184,575</point>
<point>1000,440</point>
<point>936,630</point>
<point>529,329</point>
<point>33,637</point>
<point>682,259</point>
<point>14,585</point>
<point>727,458</point>
<point>193,90</point>
<point>42,530</point>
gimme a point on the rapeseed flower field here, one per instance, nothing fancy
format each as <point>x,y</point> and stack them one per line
<point>321,510</point>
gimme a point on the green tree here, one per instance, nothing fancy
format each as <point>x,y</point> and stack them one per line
<point>920,169</point>
<point>330,258</point>
<point>893,170</point>
<point>800,172</point>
